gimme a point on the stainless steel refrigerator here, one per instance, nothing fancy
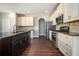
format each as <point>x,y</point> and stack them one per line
<point>48,28</point>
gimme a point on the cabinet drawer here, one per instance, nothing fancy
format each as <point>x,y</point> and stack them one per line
<point>65,38</point>
<point>68,40</point>
<point>66,50</point>
<point>65,44</point>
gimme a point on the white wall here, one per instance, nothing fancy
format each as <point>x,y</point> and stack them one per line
<point>0,23</point>
<point>12,22</point>
<point>35,25</point>
<point>8,22</point>
<point>5,22</point>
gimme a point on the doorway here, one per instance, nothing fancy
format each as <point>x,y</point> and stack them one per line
<point>42,27</point>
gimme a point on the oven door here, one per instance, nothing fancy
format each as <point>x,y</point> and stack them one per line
<point>54,39</point>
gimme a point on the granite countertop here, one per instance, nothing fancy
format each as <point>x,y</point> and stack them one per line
<point>71,33</point>
<point>68,33</point>
<point>8,34</point>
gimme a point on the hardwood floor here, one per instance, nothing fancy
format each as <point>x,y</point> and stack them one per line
<point>41,47</point>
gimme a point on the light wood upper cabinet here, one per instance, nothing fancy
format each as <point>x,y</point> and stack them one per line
<point>53,17</point>
<point>60,9</point>
<point>24,21</point>
<point>75,11</point>
<point>29,21</point>
<point>71,12</point>
<point>67,11</point>
<point>19,21</point>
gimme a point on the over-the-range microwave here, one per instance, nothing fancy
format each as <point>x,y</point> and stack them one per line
<point>59,19</point>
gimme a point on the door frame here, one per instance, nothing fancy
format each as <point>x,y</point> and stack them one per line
<point>42,19</point>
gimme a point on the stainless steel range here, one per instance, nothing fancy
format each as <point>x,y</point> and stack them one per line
<point>54,35</point>
<point>54,40</point>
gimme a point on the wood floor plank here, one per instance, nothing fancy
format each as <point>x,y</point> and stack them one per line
<point>41,47</point>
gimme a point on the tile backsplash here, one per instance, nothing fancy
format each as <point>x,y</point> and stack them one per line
<point>58,26</point>
<point>24,28</point>
<point>73,27</point>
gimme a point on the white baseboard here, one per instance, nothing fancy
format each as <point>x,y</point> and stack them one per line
<point>35,36</point>
<point>42,35</point>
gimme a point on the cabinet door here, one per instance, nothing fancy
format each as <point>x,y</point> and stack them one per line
<point>64,49</point>
<point>0,47</point>
<point>75,11</point>
<point>54,17</point>
<point>6,47</point>
<point>60,8</point>
<point>19,21</point>
<point>66,39</point>
<point>71,12</point>
<point>68,9</point>
<point>65,44</point>
<point>29,21</point>
<point>65,12</point>
<point>16,45</point>
<point>23,21</point>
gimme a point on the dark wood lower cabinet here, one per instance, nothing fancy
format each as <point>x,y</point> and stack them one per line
<point>6,47</point>
<point>15,45</point>
<point>0,47</point>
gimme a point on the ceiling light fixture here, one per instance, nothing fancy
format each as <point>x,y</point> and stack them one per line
<point>46,11</point>
<point>28,12</point>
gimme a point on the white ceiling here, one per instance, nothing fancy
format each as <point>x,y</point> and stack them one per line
<point>34,8</point>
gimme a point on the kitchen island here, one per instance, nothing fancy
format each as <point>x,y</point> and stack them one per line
<point>13,44</point>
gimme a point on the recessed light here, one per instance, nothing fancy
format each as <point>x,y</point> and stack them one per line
<point>46,11</point>
<point>28,12</point>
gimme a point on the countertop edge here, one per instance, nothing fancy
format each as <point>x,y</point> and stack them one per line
<point>67,33</point>
<point>14,34</point>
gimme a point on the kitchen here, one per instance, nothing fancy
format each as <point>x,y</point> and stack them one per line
<point>51,32</point>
